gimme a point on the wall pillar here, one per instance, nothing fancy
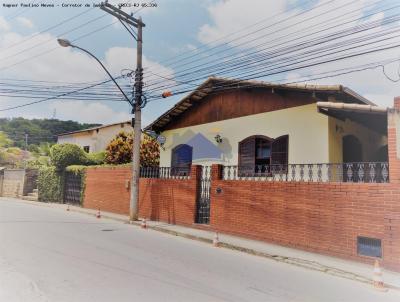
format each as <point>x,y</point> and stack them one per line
<point>195,172</point>
<point>216,172</point>
<point>394,141</point>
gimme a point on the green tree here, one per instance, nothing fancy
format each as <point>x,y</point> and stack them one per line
<point>4,140</point>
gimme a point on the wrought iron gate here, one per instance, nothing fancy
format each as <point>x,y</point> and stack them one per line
<point>72,188</point>
<point>203,198</point>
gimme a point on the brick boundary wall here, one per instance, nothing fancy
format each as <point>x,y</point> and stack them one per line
<point>319,217</point>
<point>168,200</point>
<point>108,189</point>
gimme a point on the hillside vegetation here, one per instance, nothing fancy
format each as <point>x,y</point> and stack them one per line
<point>39,131</point>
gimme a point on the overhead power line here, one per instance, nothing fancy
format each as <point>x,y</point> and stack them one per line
<point>249,63</point>
<point>53,97</point>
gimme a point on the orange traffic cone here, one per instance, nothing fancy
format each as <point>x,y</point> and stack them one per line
<point>68,207</point>
<point>98,215</point>
<point>143,225</point>
<point>216,240</point>
<point>377,278</point>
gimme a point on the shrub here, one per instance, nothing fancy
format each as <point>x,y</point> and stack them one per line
<point>40,161</point>
<point>96,158</point>
<point>149,152</point>
<point>119,150</point>
<point>63,155</point>
<point>50,185</point>
<point>76,169</point>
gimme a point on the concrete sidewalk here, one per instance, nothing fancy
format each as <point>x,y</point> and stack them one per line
<point>329,265</point>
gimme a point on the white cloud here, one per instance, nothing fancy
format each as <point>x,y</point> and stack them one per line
<point>4,25</point>
<point>25,22</point>
<point>88,112</point>
<point>229,17</point>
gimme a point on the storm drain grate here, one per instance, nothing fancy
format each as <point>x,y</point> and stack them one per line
<point>371,247</point>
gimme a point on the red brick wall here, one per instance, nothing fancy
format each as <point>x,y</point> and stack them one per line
<point>321,217</point>
<point>169,200</point>
<point>106,189</point>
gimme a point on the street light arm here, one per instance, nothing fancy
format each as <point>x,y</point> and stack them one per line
<point>105,69</point>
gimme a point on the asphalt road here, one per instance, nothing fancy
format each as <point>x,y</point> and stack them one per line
<point>47,254</point>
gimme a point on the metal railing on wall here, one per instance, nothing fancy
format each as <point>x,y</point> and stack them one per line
<point>361,172</point>
<point>165,172</point>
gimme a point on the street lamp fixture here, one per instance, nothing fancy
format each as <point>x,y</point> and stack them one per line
<point>64,42</point>
<point>67,43</point>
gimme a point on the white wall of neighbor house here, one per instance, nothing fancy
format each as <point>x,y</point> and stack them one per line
<point>97,139</point>
<point>307,130</point>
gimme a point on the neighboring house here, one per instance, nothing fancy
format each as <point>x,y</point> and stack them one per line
<point>97,138</point>
<point>255,125</point>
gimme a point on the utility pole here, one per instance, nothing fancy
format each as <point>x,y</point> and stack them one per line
<point>125,18</point>
<point>137,128</point>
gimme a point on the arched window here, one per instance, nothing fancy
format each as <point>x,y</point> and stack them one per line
<point>257,153</point>
<point>181,160</point>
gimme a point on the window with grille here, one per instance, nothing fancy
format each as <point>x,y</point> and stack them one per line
<point>371,247</point>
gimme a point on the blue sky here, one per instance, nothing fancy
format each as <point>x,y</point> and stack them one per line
<point>172,28</point>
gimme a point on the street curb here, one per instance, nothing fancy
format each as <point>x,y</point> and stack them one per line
<point>307,264</point>
<point>311,265</point>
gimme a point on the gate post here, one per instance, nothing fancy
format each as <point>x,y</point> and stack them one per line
<point>195,177</point>
<point>216,176</point>
<point>195,172</point>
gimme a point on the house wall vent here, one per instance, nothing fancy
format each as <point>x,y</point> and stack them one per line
<point>371,247</point>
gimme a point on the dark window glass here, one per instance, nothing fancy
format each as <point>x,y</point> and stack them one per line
<point>181,160</point>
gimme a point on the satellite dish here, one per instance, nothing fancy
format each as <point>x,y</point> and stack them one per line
<point>161,139</point>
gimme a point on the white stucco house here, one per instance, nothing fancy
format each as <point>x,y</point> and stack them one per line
<point>249,123</point>
<point>97,138</point>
